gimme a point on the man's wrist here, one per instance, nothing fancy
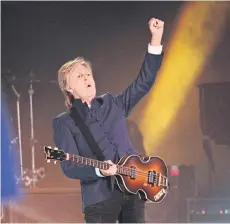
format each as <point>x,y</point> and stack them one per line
<point>98,172</point>
<point>155,41</point>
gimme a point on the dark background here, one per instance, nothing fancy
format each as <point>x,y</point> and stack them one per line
<point>113,35</point>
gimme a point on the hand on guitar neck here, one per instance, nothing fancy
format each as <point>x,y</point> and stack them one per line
<point>111,171</point>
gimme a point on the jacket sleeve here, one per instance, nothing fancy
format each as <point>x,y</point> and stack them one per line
<point>64,140</point>
<point>142,84</point>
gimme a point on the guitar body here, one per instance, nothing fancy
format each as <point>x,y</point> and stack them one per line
<point>150,179</point>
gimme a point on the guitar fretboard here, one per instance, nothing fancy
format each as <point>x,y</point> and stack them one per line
<point>99,164</point>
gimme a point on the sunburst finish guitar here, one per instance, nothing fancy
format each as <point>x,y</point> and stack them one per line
<point>147,177</point>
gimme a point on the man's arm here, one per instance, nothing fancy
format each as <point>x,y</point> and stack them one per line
<point>144,81</point>
<point>64,140</point>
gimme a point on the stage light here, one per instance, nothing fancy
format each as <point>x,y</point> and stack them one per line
<point>203,212</point>
<point>174,171</point>
<point>195,37</point>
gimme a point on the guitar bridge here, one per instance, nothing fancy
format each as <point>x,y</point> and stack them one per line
<point>133,173</point>
<point>152,177</point>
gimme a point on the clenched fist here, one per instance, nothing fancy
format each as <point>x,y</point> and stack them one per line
<point>156,28</point>
<point>111,171</point>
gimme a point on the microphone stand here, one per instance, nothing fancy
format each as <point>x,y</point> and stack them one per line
<point>32,139</point>
<point>29,177</point>
<point>19,127</point>
<point>40,172</point>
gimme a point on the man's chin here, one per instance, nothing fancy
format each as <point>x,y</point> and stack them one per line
<point>92,95</point>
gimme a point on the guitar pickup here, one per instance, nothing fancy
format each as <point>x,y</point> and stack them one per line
<point>133,173</point>
<point>152,177</point>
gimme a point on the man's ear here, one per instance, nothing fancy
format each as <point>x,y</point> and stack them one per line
<point>68,89</point>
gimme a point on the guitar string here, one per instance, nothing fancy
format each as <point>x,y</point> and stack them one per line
<point>162,184</point>
<point>155,181</point>
<point>145,174</point>
<point>122,167</point>
<point>137,170</point>
<point>156,175</point>
<point>146,178</point>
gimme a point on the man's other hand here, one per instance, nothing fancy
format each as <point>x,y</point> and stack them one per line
<point>156,28</point>
<point>111,171</point>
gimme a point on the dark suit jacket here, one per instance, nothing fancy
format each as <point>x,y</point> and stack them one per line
<point>106,120</point>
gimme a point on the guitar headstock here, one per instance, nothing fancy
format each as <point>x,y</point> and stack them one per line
<point>53,153</point>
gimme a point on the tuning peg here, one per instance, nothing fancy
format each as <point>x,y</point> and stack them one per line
<point>48,161</point>
<point>55,162</point>
<point>55,148</point>
<point>49,147</point>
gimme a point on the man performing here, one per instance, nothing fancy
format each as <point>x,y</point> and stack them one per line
<point>105,115</point>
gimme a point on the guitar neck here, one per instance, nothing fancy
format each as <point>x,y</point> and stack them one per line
<point>98,164</point>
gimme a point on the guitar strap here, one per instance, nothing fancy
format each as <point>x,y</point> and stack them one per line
<point>80,123</point>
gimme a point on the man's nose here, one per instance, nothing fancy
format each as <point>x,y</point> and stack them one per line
<point>85,77</point>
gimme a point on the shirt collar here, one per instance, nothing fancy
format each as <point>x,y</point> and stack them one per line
<point>84,109</point>
<point>95,102</point>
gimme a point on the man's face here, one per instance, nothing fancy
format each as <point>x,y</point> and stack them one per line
<point>80,81</point>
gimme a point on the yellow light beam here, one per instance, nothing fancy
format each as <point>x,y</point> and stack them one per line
<point>196,34</point>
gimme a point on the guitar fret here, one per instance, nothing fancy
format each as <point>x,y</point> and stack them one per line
<point>101,165</point>
<point>124,170</point>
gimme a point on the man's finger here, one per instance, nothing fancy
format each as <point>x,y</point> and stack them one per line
<point>109,162</point>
